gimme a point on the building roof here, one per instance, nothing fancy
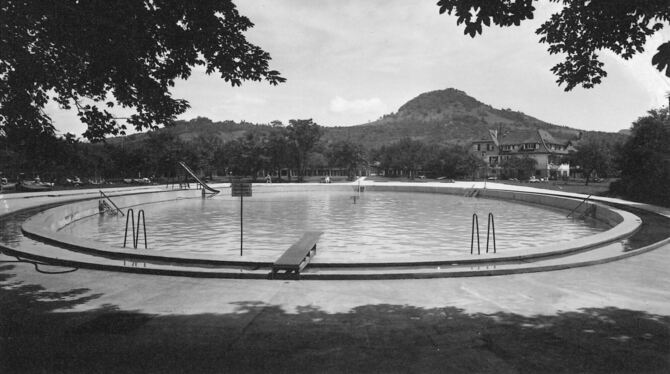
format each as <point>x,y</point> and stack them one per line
<point>541,137</point>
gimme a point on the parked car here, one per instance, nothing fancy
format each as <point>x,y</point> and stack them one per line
<point>534,180</point>
<point>76,182</point>
<point>5,185</point>
<point>34,185</point>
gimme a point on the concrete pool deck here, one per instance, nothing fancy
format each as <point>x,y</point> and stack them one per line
<point>613,317</point>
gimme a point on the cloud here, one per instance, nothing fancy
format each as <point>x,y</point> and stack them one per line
<point>359,106</point>
<point>243,100</point>
<point>237,106</point>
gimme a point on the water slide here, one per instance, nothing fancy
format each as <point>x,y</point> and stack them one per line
<point>204,185</point>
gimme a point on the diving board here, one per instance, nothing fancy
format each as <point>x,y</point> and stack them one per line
<point>293,261</point>
<point>203,184</point>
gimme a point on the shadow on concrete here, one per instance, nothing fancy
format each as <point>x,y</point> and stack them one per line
<point>39,334</point>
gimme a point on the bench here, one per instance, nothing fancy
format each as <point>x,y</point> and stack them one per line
<point>297,256</point>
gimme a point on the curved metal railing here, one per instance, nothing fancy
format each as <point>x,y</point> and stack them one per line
<point>136,233</point>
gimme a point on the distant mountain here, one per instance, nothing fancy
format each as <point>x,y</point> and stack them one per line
<point>447,116</point>
<point>196,127</point>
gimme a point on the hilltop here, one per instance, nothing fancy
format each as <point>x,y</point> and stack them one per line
<point>447,116</point>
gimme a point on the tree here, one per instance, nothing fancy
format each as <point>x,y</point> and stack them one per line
<point>404,157</point>
<point>580,30</point>
<point>95,55</point>
<point>303,134</point>
<point>518,167</point>
<point>645,160</point>
<point>449,161</point>
<point>277,148</point>
<point>206,147</point>
<point>163,152</point>
<point>469,164</point>
<point>347,154</point>
<point>592,156</point>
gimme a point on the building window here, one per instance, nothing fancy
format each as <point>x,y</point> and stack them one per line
<point>529,146</point>
<point>479,147</point>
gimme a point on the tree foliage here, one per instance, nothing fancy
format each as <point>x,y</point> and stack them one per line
<point>303,134</point>
<point>594,157</point>
<point>347,154</point>
<point>409,157</point>
<point>521,168</point>
<point>95,55</point>
<point>579,31</point>
<point>645,160</point>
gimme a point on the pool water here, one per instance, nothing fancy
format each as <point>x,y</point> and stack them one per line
<point>390,226</point>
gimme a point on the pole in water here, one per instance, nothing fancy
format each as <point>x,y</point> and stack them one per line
<point>241,222</point>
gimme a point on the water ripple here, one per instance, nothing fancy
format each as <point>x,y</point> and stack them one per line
<point>380,224</point>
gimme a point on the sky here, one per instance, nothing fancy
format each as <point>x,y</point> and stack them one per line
<point>349,62</point>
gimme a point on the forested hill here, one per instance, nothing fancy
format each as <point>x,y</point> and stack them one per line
<point>447,116</point>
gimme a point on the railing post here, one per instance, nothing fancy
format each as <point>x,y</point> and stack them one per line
<point>475,223</point>
<point>141,214</point>
<point>491,225</point>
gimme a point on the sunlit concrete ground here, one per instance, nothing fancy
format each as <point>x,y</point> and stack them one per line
<point>603,319</point>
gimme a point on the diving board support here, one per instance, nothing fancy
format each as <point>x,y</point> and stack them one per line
<point>203,184</point>
<point>296,258</point>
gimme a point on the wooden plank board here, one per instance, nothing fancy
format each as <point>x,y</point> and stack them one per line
<point>296,253</point>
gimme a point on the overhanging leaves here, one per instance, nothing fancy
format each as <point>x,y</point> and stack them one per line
<point>579,31</point>
<point>83,51</point>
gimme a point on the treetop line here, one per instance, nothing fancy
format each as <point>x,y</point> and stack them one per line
<point>79,53</point>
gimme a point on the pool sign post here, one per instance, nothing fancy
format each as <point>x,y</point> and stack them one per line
<point>241,189</point>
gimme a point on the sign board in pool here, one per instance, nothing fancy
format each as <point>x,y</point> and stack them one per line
<point>240,189</point>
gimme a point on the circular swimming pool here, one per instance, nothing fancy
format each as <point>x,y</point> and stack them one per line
<point>376,226</point>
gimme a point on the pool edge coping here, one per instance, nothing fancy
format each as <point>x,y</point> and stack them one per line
<point>621,230</point>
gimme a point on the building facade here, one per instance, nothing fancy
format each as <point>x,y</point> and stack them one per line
<point>547,151</point>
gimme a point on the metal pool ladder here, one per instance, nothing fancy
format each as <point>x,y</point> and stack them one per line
<point>490,228</point>
<point>136,235</point>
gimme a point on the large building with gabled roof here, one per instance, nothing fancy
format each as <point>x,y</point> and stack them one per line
<point>548,151</point>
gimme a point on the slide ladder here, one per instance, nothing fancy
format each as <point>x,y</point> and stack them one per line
<point>203,184</point>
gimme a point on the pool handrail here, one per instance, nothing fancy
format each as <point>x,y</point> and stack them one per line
<point>136,234</point>
<point>141,214</point>
<point>131,216</point>
<point>490,225</point>
<point>110,200</point>
<point>475,223</point>
<point>577,207</point>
